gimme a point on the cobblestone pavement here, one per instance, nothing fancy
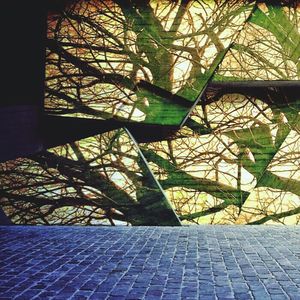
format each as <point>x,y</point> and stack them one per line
<point>198,262</point>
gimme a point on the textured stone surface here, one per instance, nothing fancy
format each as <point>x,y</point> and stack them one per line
<point>203,262</point>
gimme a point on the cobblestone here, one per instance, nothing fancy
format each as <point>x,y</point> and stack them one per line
<point>195,262</point>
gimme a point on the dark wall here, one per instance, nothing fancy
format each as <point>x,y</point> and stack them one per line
<point>23,29</point>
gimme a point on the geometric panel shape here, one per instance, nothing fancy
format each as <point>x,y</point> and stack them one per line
<point>229,149</point>
<point>201,175</point>
<point>268,48</point>
<point>136,61</point>
<point>102,179</point>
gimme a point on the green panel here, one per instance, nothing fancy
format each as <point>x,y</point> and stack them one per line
<point>102,179</point>
<point>100,54</point>
<point>235,151</point>
<point>268,48</point>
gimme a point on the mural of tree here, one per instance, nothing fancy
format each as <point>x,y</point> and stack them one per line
<point>136,60</point>
<point>204,67</point>
<point>232,146</point>
<point>268,47</point>
<point>98,180</point>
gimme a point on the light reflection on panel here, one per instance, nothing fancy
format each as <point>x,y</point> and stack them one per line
<point>98,180</point>
<point>101,53</point>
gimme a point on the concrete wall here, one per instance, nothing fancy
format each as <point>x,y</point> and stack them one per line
<point>23,29</point>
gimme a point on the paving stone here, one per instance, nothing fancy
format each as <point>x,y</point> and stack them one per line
<point>168,263</point>
<point>97,296</point>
